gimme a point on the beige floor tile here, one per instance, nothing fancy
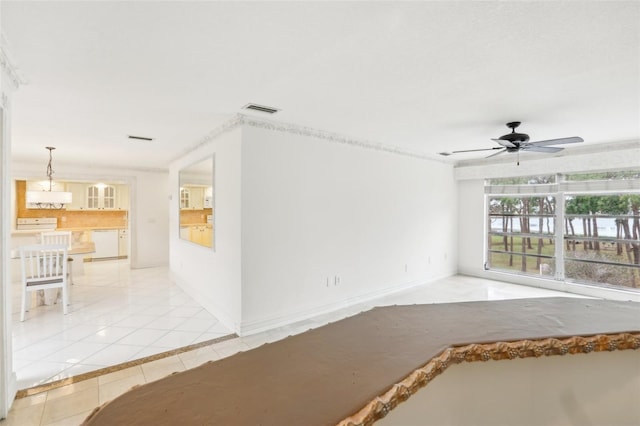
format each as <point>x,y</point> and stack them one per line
<point>115,388</point>
<point>119,375</point>
<point>72,388</point>
<point>27,416</point>
<point>28,401</point>
<point>158,369</point>
<point>161,362</point>
<point>256,340</point>
<point>70,405</point>
<point>195,360</point>
<point>195,353</point>
<point>225,350</point>
<point>70,421</point>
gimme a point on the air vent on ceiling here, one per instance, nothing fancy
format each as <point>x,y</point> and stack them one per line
<point>261,108</point>
<point>140,138</point>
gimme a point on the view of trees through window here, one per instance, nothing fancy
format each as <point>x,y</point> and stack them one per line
<point>599,220</point>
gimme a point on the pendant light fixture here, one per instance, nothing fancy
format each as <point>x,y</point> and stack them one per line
<point>48,199</point>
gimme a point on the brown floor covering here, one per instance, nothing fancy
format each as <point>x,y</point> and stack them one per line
<point>324,375</point>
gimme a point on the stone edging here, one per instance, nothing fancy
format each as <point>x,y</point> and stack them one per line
<point>400,392</point>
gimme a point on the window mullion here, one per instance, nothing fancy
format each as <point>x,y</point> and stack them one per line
<point>559,239</point>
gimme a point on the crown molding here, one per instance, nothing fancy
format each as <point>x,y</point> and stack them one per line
<point>239,120</point>
<point>7,66</point>
<point>296,129</point>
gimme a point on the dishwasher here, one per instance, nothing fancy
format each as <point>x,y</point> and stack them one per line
<point>106,241</point>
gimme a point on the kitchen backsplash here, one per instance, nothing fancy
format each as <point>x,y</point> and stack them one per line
<point>194,216</point>
<point>71,219</point>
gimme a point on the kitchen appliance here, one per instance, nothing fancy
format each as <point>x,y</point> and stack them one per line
<point>37,223</point>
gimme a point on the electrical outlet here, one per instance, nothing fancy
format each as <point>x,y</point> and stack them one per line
<point>406,267</point>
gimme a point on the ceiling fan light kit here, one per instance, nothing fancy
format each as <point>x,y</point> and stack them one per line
<point>516,142</point>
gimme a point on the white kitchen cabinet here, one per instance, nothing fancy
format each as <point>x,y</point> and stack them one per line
<point>88,196</point>
<point>123,243</point>
<point>197,198</point>
<point>78,195</point>
<point>106,242</point>
<point>101,197</point>
<point>122,197</point>
<point>185,198</point>
<point>192,197</point>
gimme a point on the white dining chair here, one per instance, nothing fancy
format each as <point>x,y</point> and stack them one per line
<point>59,237</point>
<point>44,266</point>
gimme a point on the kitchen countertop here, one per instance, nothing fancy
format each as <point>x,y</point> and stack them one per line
<point>92,228</point>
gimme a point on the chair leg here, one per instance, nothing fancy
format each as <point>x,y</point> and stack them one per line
<point>24,304</point>
<point>70,270</point>
<point>65,299</point>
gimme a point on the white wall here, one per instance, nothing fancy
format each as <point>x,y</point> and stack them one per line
<point>150,220</point>
<point>316,211</point>
<point>212,277</point>
<point>599,388</point>
<point>149,198</point>
<point>471,214</point>
<point>8,386</point>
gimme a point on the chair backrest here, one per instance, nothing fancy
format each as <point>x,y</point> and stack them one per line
<point>56,237</point>
<point>43,264</point>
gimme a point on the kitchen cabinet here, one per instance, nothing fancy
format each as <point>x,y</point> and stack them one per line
<point>197,198</point>
<point>78,196</point>
<point>122,197</point>
<point>88,196</point>
<point>191,198</point>
<point>201,234</point>
<point>123,243</point>
<point>101,197</point>
<point>106,242</point>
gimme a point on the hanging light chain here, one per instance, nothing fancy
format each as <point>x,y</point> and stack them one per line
<point>50,167</point>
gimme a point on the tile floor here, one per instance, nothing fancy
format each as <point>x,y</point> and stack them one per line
<point>69,405</point>
<point>117,315</point>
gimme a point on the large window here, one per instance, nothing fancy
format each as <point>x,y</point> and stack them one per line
<point>582,228</point>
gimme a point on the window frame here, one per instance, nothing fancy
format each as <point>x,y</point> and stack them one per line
<point>561,189</point>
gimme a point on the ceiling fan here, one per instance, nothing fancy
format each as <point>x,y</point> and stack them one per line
<point>516,142</point>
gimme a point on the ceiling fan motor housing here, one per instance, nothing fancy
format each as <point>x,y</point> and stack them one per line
<point>514,137</point>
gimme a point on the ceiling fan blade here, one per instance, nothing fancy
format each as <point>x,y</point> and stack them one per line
<point>498,153</point>
<point>573,139</point>
<point>467,150</point>
<point>538,148</point>
<point>504,143</point>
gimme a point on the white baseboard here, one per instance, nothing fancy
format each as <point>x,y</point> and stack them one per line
<point>271,322</point>
<point>143,265</point>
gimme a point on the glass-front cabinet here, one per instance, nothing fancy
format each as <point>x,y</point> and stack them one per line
<point>101,197</point>
<point>96,196</point>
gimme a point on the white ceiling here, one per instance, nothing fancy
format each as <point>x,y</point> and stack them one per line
<point>423,76</point>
